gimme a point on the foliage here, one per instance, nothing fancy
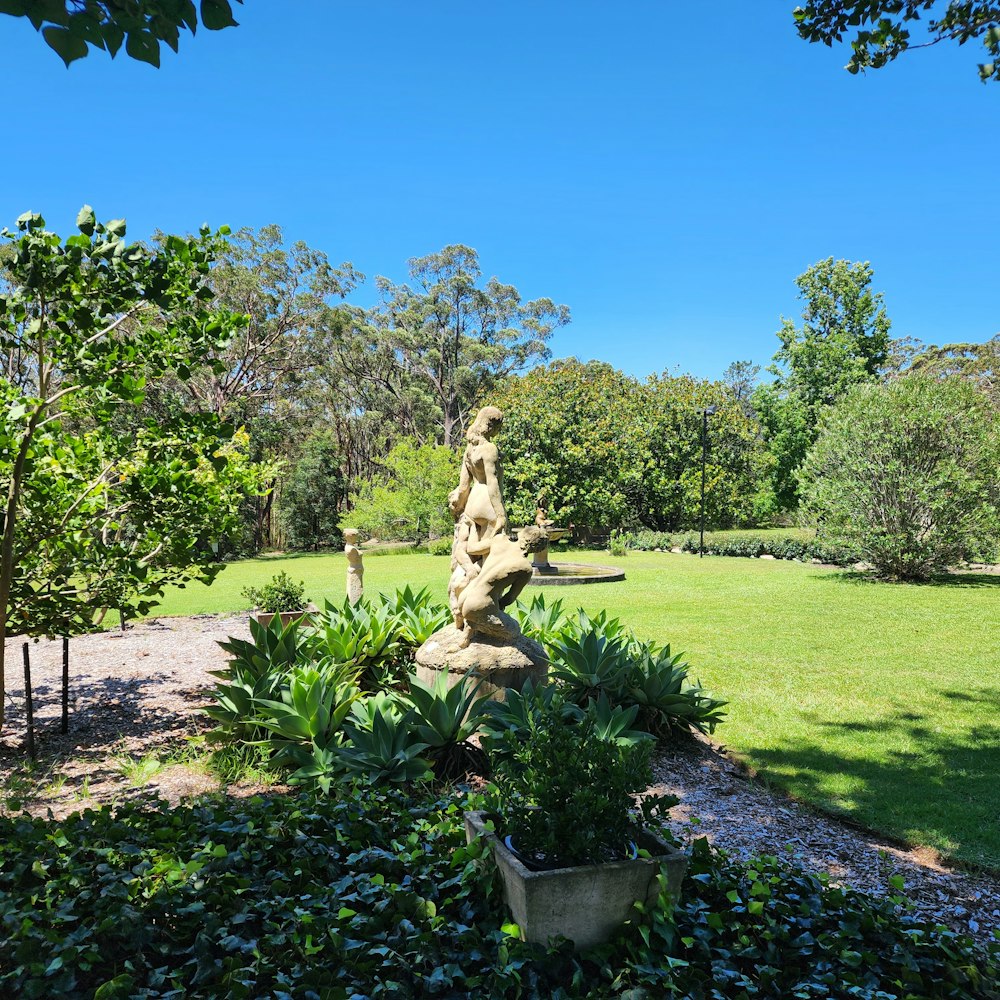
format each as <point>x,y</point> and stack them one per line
<point>101,506</point>
<point>72,27</point>
<point>443,720</point>
<point>980,363</point>
<point>389,751</point>
<point>906,473</point>
<point>602,450</point>
<point>409,500</point>
<point>449,338</point>
<point>563,795</point>
<point>843,340</point>
<point>803,546</point>
<point>882,29</point>
<point>376,892</point>
<point>281,593</point>
<point>312,493</point>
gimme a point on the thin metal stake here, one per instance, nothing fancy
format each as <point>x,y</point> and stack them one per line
<point>27,702</point>
<point>65,685</point>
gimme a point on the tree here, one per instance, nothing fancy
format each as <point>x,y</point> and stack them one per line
<point>905,473</point>
<point>92,513</point>
<point>980,363</point>
<point>313,493</point>
<point>409,499</point>
<point>450,340</point>
<point>601,450</point>
<point>843,340</point>
<point>70,26</point>
<point>882,28</point>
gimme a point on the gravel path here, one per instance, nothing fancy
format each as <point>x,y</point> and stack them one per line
<point>137,693</point>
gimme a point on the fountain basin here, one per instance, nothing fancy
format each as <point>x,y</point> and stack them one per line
<point>566,574</point>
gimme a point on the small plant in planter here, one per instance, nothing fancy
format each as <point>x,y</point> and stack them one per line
<point>281,596</point>
<point>568,839</point>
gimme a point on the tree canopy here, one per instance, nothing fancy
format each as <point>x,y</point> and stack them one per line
<point>71,28</point>
<point>104,504</point>
<point>882,30</point>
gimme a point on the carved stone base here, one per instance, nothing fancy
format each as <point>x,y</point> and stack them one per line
<point>500,664</point>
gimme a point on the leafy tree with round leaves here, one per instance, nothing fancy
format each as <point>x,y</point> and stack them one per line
<point>408,499</point>
<point>882,30</point>
<point>99,502</point>
<point>71,28</point>
<point>906,473</point>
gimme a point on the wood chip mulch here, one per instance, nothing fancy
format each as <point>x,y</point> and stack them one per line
<point>138,693</point>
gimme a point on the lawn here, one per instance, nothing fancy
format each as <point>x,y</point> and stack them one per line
<point>876,701</point>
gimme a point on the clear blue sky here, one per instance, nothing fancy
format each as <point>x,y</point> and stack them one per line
<point>664,171</point>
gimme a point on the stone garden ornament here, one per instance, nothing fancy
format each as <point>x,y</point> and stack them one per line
<point>355,566</point>
<point>489,569</point>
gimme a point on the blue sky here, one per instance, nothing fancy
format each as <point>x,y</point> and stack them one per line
<point>664,171</point>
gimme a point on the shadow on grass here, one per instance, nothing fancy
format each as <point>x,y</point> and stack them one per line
<point>919,785</point>
<point>951,581</point>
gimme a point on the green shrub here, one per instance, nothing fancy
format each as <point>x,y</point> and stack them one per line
<point>280,594</point>
<point>906,472</point>
<point>563,795</point>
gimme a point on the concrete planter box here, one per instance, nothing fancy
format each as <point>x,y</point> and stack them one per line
<point>266,617</point>
<point>586,904</point>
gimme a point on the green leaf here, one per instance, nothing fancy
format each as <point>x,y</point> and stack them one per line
<point>217,14</point>
<point>86,220</point>
<point>116,227</point>
<point>143,46</point>
<point>67,45</point>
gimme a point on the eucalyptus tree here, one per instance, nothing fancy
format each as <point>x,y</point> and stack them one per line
<point>91,515</point>
<point>451,337</point>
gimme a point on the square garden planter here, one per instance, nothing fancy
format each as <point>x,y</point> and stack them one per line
<point>586,903</point>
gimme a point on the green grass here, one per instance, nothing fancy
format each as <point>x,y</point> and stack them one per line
<point>872,700</point>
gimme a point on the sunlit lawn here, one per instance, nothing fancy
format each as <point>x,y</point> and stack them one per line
<point>877,700</point>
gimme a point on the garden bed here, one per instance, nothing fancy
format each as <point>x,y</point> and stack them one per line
<point>136,697</point>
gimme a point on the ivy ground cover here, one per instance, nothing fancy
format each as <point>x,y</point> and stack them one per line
<point>877,701</point>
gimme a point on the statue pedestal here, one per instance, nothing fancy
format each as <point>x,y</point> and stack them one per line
<point>541,566</point>
<point>498,663</point>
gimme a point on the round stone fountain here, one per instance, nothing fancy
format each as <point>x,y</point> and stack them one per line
<point>547,574</point>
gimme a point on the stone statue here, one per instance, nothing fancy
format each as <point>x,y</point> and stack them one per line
<point>488,571</point>
<point>355,566</point>
<point>479,495</point>
<point>497,585</point>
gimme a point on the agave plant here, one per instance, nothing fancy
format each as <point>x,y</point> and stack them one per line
<point>360,634</point>
<point>615,723</point>
<point>444,718</point>
<point>366,708</point>
<point>610,629</point>
<point>658,685</point>
<point>389,751</point>
<point>257,671</point>
<point>416,625</point>
<point>314,705</point>
<point>540,621</point>
<point>588,665</point>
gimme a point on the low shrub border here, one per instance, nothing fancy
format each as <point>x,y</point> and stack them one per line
<point>376,894</point>
<point>746,545</point>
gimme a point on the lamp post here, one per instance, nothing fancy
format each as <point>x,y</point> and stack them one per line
<point>705,414</point>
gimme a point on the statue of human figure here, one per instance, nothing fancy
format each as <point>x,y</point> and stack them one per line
<point>504,574</point>
<point>355,566</point>
<point>480,487</point>
<point>464,568</point>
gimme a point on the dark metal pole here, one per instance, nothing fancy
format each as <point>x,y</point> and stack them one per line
<point>65,685</point>
<point>705,414</point>
<point>704,451</point>
<point>29,709</point>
